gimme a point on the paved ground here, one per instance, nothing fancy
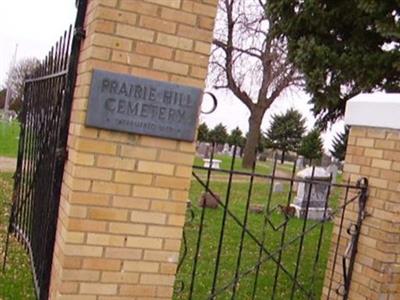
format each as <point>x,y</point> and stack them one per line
<point>7,164</point>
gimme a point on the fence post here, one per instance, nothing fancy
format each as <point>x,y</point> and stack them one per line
<point>373,151</point>
<point>123,199</point>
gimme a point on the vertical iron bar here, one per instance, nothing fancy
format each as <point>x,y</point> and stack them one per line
<point>199,236</point>
<point>302,234</point>
<point>223,222</point>
<point>338,238</point>
<point>283,235</point>
<point>264,228</point>
<point>321,233</point>
<point>246,213</point>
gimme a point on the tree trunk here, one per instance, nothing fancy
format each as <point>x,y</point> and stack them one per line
<point>283,157</point>
<point>253,139</point>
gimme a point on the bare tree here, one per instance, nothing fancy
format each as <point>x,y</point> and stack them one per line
<point>16,77</point>
<point>249,62</point>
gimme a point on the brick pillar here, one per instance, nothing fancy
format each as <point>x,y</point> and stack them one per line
<point>374,152</point>
<point>124,195</point>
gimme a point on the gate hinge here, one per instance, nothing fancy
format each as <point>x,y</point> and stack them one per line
<point>80,33</point>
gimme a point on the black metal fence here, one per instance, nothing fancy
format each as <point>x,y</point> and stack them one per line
<point>256,244</point>
<point>42,151</point>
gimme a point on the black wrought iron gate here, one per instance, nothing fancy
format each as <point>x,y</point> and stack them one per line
<point>255,245</point>
<point>42,151</point>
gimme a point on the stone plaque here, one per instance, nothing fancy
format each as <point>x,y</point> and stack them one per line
<point>144,106</point>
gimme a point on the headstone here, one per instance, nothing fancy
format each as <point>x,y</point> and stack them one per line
<point>226,149</point>
<point>238,151</point>
<point>300,163</point>
<point>231,150</point>
<point>202,149</point>
<point>333,169</point>
<point>316,198</point>
<point>209,201</point>
<point>278,187</point>
<point>215,164</point>
<point>326,161</point>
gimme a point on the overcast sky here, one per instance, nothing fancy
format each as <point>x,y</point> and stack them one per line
<point>35,25</point>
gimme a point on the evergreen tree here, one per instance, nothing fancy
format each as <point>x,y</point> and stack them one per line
<point>218,134</point>
<point>342,47</point>
<point>311,146</point>
<point>339,144</point>
<point>286,132</point>
<point>236,137</point>
<point>203,133</point>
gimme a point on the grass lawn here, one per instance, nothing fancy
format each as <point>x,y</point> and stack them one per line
<point>16,282</point>
<point>309,275</point>
<point>9,134</point>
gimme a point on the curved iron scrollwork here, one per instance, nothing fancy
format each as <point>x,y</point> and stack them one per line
<point>180,284</point>
<point>215,103</point>
<point>353,230</point>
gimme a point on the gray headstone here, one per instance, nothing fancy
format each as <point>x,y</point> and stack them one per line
<point>312,195</point>
<point>278,187</point>
<point>333,169</point>
<point>226,148</point>
<point>202,149</point>
<point>300,163</point>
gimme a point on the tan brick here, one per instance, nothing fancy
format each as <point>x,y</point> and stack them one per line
<point>140,7</point>
<point>131,59</point>
<point>157,24</point>
<point>120,277</point>
<point>98,288</point>
<point>102,26</point>
<point>150,192</point>
<point>81,158</point>
<point>358,131</point>
<point>170,66</point>
<point>141,266</point>
<point>102,264</point>
<point>81,250</point>
<point>195,33</point>
<point>138,290</point>
<point>154,50</point>
<point>206,23</point>
<point>127,228</point>
<point>183,171</point>
<point>192,58</point>
<point>111,188</point>
<point>382,164</point>
<point>86,225</point>
<point>135,33</point>
<point>204,9</point>
<point>110,41</point>
<point>113,136</point>
<point>78,275</point>
<point>155,167</point>
<point>89,198</point>
<point>172,182</point>
<point>133,177</point>
<point>76,297</point>
<point>161,256</point>
<point>148,217</point>
<point>130,202</point>
<point>73,237</point>
<point>144,242</point>
<point>385,144</point>
<point>105,239</point>
<point>174,41</point>
<point>202,47</point>
<point>172,244</point>
<point>185,80</point>
<point>176,157</point>
<point>96,146</point>
<point>374,153</point>
<point>166,268</point>
<point>169,207</point>
<point>165,232</point>
<point>157,279</point>
<point>169,3</point>
<point>69,287</point>
<point>178,16</point>
<point>158,143</point>
<point>123,253</point>
<point>116,15</point>
<point>138,152</point>
<point>111,214</point>
<point>147,73</point>
<point>176,220</point>
<point>115,162</point>
<point>365,142</point>
<point>92,173</point>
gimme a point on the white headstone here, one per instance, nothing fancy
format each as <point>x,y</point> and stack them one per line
<point>278,187</point>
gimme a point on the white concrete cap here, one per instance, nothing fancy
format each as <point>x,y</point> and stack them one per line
<point>374,110</point>
<point>319,172</point>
